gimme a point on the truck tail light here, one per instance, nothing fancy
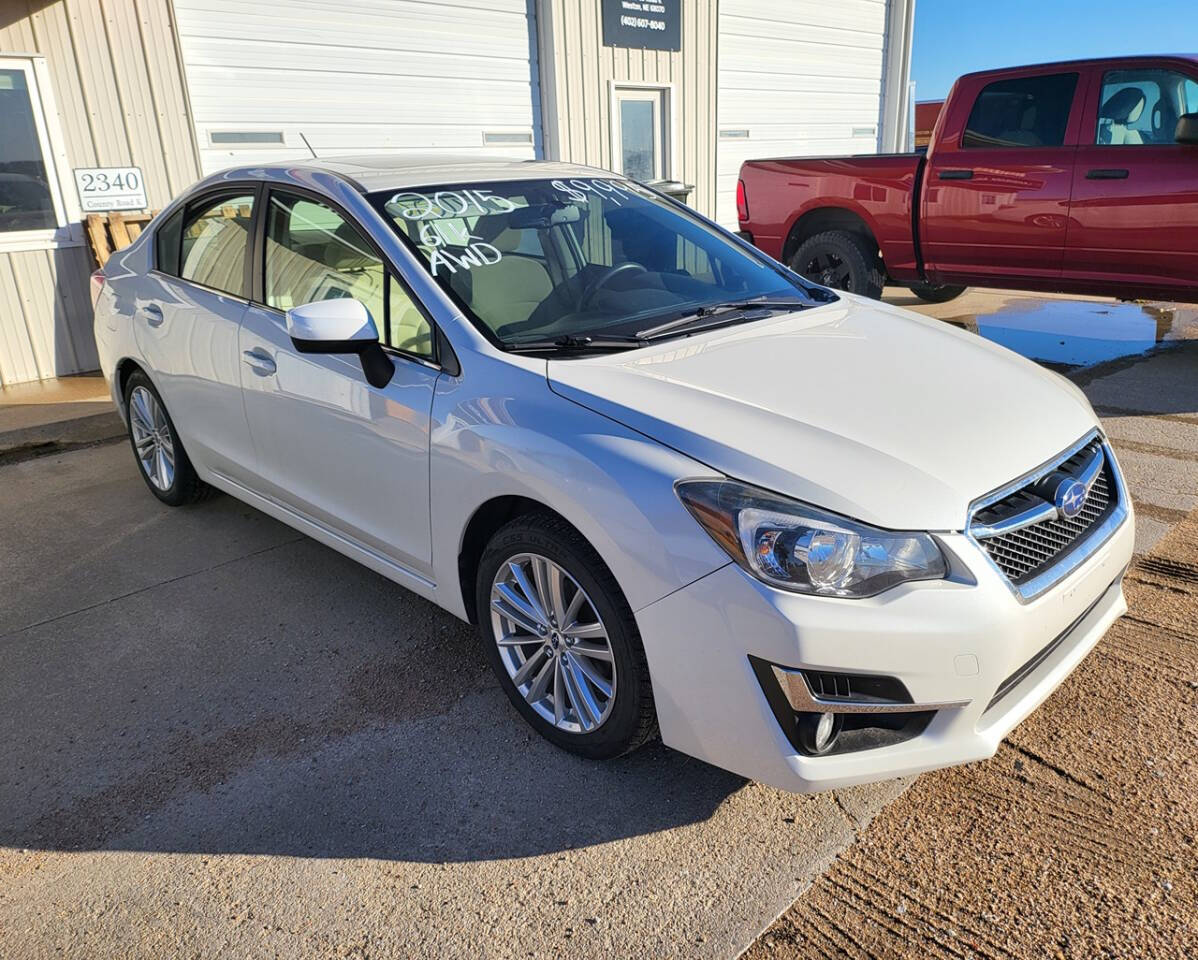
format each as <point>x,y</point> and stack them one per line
<point>97,284</point>
<point>742,201</point>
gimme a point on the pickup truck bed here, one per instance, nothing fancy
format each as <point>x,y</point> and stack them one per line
<point>1077,177</point>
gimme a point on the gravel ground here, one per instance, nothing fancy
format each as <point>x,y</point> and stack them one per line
<point>1078,839</point>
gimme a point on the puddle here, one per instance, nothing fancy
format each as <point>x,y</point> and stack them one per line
<point>1078,333</point>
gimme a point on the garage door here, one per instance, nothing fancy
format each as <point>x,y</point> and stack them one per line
<point>357,76</point>
<point>804,78</point>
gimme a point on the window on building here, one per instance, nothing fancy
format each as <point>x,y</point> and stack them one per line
<point>215,238</point>
<point>639,133</point>
<point>26,185</point>
<point>1025,112</point>
<point>313,253</point>
<point>1141,107</point>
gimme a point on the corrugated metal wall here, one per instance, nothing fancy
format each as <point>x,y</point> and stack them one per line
<point>806,81</point>
<point>363,76</point>
<point>577,111</point>
<point>119,94</point>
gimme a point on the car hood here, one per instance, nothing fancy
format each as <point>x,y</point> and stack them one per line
<point>858,407</point>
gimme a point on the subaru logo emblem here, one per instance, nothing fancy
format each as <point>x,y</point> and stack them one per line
<point>1070,496</point>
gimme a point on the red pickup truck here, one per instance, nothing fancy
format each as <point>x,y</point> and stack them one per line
<point>1078,177</point>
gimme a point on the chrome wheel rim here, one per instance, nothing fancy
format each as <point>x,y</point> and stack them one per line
<point>553,643</point>
<point>152,438</point>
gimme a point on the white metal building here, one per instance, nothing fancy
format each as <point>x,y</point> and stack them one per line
<point>663,89</point>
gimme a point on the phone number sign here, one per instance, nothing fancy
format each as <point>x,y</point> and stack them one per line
<point>643,24</point>
<point>110,188</point>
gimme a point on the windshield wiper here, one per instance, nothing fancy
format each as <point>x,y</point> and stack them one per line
<point>720,313</point>
<point>575,342</point>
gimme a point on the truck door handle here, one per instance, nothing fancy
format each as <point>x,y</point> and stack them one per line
<point>956,174</point>
<point>1107,175</point>
<point>261,362</point>
<point>151,313</point>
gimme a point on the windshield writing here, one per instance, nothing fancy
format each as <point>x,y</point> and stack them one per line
<point>536,259</point>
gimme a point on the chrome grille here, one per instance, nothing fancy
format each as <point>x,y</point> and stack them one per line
<point>1028,551</point>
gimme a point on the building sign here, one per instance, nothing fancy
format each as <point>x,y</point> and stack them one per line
<point>110,188</point>
<point>643,24</point>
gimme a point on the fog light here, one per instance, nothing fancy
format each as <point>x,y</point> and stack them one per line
<point>818,731</point>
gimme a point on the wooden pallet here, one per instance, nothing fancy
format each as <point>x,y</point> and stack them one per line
<point>109,232</point>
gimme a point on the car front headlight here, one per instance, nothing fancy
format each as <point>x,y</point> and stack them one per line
<point>796,547</point>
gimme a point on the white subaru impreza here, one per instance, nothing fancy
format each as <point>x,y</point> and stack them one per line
<point>811,538</point>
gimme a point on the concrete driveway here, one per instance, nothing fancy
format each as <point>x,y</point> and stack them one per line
<point>218,737</point>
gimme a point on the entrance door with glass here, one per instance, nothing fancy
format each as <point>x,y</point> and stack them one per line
<point>640,121</point>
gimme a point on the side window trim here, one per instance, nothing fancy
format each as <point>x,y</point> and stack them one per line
<point>257,268</point>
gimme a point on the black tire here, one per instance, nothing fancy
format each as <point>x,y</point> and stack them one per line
<point>936,292</point>
<point>632,719</point>
<point>186,485</point>
<point>841,260</point>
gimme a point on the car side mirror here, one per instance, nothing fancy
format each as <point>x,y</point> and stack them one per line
<point>1186,130</point>
<point>341,325</point>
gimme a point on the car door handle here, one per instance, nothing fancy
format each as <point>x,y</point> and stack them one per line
<point>1107,175</point>
<point>956,174</point>
<point>151,313</point>
<point>261,362</point>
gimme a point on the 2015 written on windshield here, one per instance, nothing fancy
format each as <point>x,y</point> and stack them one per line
<point>442,218</point>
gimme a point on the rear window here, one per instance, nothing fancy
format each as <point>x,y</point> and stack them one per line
<point>1023,112</point>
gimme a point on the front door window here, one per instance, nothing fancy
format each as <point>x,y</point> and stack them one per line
<point>313,253</point>
<point>639,133</point>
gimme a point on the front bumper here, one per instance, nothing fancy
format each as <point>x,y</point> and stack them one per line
<point>952,643</point>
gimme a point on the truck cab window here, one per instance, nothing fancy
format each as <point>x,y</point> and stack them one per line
<point>1022,112</point>
<point>1141,107</point>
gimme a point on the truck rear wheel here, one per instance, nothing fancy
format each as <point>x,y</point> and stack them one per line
<point>936,292</point>
<point>840,260</point>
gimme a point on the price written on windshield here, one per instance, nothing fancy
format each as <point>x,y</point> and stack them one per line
<point>110,188</point>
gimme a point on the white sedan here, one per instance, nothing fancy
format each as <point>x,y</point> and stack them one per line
<point>811,538</point>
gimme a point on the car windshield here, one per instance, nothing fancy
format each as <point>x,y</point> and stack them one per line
<point>548,260</point>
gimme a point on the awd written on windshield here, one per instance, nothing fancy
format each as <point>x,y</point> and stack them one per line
<point>442,219</point>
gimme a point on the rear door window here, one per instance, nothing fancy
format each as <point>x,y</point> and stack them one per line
<point>1141,107</point>
<point>214,242</point>
<point>1021,112</point>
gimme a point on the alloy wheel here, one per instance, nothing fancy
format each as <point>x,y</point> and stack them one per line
<point>553,643</point>
<point>152,438</point>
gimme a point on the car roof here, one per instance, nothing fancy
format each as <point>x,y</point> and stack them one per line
<point>1138,60</point>
<point>391,171</point>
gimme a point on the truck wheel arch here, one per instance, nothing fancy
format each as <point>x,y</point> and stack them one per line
<point>821,220</point>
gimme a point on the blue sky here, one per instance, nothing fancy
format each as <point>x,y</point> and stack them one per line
<point>953,37</point>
